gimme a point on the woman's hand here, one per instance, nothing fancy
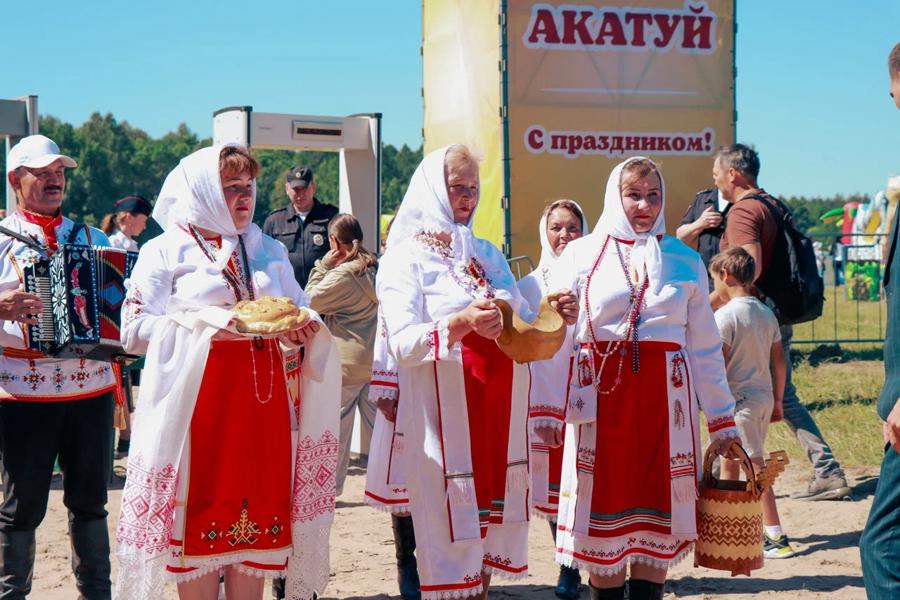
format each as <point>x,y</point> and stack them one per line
<point>481,316</point>
<point>19,305</point>
<point>484,318</point>
<point>388,407</point>
<point>303,334</point>
<point>549,435</point>
<point>726,448</point>
<point>336,255</point>
<point>565,303</point>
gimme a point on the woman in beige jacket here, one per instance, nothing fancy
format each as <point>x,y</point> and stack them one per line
<point>341,289</point>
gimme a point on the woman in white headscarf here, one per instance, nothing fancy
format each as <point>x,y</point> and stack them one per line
<point>467,423</point>
<point>561,223</point>
<point>229,473</point>
<point>647,348</point>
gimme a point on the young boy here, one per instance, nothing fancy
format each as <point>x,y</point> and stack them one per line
<point>756,370</point>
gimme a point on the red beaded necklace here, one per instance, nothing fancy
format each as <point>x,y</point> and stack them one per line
<point>631,317</point>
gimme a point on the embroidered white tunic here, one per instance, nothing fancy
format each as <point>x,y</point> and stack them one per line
<point>679,314</point>
<point>418,292</point>
<point>173,270</point>
<point>386,469</point>
<point>42,379</point>
<point>120,240</point>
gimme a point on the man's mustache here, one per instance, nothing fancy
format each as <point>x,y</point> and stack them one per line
<point>53,188</point>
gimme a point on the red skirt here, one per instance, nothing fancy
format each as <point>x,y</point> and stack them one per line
<point>237,503</point>
<point>488,376</point>
<point>632,481</point>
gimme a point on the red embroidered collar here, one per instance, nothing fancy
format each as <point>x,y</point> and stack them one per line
<point>47,224</point>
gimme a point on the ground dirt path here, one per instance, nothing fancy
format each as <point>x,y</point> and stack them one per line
<point>825,533</point>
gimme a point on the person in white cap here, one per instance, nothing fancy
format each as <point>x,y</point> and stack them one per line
<point>49,407</point>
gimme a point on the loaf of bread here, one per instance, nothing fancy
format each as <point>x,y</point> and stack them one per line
<point>268,315</point>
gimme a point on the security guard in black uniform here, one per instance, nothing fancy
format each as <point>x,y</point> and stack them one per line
<point>303,225</point>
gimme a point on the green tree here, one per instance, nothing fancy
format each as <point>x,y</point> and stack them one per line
<point>116,159</point>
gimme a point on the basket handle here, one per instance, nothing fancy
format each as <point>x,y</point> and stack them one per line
<point>746,465</point>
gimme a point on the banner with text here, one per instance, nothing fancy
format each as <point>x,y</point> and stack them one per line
<point>591,83</point>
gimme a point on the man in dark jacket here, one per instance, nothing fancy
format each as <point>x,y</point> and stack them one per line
<point>880,543</point>
<point>702,226</point>
<point>302,226</point>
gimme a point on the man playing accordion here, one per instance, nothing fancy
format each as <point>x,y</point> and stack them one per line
<point>50,406</point>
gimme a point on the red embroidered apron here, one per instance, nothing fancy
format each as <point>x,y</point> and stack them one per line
<point>488,376</point>
<point>239,493</point>
<point>632,482</point>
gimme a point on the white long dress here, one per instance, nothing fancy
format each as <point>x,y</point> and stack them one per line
<point>467,425</point>
<point>386,470</point>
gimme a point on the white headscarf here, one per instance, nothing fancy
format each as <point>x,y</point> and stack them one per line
<point>614,222</point>
<point>548,256</point>
<point>426,206</point>
<point>192,194</point>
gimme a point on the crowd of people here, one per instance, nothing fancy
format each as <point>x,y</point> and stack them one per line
<point>240,442</point>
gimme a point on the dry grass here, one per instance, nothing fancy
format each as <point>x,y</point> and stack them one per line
<point>844,319</point>
<point>841,398</point>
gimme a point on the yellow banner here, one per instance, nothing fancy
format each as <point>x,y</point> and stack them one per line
<point>591,83</point>
<point>461,91</point>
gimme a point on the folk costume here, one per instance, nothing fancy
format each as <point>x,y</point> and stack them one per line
<point>51,407</point>
<point>467,424</point>
<point>547,397</point>
<point>386,471</point>
<point>195,499</point>
<point>647,347</point>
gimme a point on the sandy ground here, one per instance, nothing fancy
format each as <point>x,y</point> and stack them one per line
<point>825,533</point>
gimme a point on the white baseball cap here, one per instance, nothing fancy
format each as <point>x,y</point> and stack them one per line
<point>35,151</point>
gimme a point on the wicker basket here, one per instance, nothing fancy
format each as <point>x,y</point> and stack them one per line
<point>729,520</point>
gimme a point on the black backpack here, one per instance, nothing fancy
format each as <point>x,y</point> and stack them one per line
<point>792,281</point>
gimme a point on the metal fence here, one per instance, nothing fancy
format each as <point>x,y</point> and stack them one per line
<point>517,263</point>
<point>855,310</point>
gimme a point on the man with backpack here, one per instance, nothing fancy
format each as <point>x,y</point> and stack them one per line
<point>763,226</point>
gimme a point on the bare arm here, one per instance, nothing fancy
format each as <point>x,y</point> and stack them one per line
<point>754,249</point>
<point>689,233</point>
<point>778,367</point>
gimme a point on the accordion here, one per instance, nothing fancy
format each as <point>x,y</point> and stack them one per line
<point>82,289</point>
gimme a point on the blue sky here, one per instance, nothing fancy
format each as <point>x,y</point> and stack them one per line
<point>811,89</point>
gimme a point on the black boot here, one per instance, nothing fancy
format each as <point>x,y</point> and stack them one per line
<point>568,586</point>
<point>90,558</point>
<point>16,564</point>
<point>278,588</point>
<point>407,569</point>
<point>641,589</point>
<point>616,593</point>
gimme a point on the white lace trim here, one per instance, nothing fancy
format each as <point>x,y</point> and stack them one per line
<point>452,594</point>
<point>394,509</point>
<point>503,574</point>
<point>544,515</point>
<point>442,352</point>
<point>657,563</point>
<point>220,569</point>
<point>309,567</point>
<point>535,422</point>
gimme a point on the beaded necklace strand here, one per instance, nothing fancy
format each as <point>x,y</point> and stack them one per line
<point>238,280</point>
<point>631,317</point>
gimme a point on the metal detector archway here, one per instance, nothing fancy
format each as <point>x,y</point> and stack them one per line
<point>356,137</point>
<point>18,118</point>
